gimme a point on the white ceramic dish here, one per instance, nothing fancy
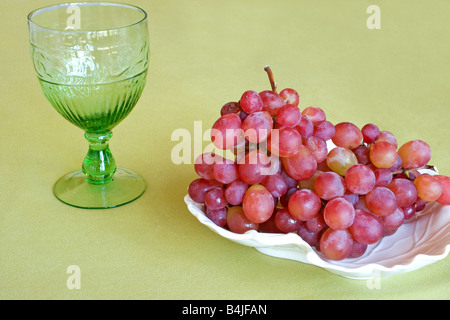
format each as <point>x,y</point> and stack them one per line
<point>416,244</point>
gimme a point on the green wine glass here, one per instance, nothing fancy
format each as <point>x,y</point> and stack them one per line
<point>91,60</point>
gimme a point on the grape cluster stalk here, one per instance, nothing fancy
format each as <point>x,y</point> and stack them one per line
<point>284,179</point>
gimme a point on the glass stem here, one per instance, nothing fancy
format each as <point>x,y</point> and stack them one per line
<point>99,165</point>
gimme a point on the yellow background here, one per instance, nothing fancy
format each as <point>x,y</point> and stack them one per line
<point>204,54</point>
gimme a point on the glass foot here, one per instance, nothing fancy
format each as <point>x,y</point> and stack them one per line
<point>74,190</point>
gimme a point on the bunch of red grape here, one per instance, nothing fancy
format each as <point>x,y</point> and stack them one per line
<point>284,179</point>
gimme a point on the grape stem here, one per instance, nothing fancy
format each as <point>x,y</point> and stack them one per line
<point>273,84</point>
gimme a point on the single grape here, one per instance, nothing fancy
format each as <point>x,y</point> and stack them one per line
<point>405,191</point>
<point>271,101</point>
<point>429,188</point>
<point>276,184</point>
<point>336,244</point>
<point>318,148</point>
<point>258,204</point>
<point>445,196</point>
<point>315,114</point>
<point>324,130</point>
<point>393,221</point>
<point>254,167</point>
<point>305,127</point>
<point>230,107</point>
<point>304,205</point>
<point>286,222</point>
<point>310,237</point>
<point>302,165</point>
<point>226,132</point>
<point>289,115</point>
<point>370,132</point>
<point>215,198</point>
<point>251,102</point>
<point>198,188</point>
<point>340,160</point>
<point>291,182</point>
<point>225,171</point>
<point>383,154</point>
<point>284,142</point>
<point>415,154</point>
<point>339,214</point>
<point>257,126</point>
<point>238,222</point>
<point>234,192</point>
<point>329,185</point>
<point>360,179</point>
<point>381,201</point>
<point>362,153</point>
<point>290,96</point>
<point>366,228</point>
<point>218,216</point>
<point>347,135</point>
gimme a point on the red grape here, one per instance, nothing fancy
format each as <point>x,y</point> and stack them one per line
<point>225,171</point>
<point>388,137</point>
<point>218,216</point>
<point>215,198</point>
<point>305,127</point>
<point>336,244</point>
<point>383,154</point>
<point>288,115</point>
<point>302,165</point>
<point>362,153</point>
<point>290,96</point>
<point>286,222</point>
<point>394,220</point>
<point>366,228</point>
<point>415,154</point>
<point>347,135</point>
<point>237,221</point>
<point>316,224</point>
<point>230,107</point>
<point>251,102</point>
<point>315,114</point>
<point>339,213</point>
<point>226,131</point>
<point>304,204</point>
<point>324,130</point>
<point>276,184</point>
<point>370,132</point>
<point>429,188</point>
<point>271,101</point>
<point>383,177</point>
<point>329,185</point>
<point>310,237</point>
<point>284,142</point>
<point>445,196</point>
<point>258,204</point>
<point>405,191</point>
<point>257,126</point>
<point>381,201</point>
<point>234,192</point>
<point>358,249</point>
<point>360,179</point>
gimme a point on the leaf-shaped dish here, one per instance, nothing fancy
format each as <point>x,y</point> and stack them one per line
<point>416,244</point>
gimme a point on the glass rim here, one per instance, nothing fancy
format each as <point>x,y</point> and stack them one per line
<point>100,3</point>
